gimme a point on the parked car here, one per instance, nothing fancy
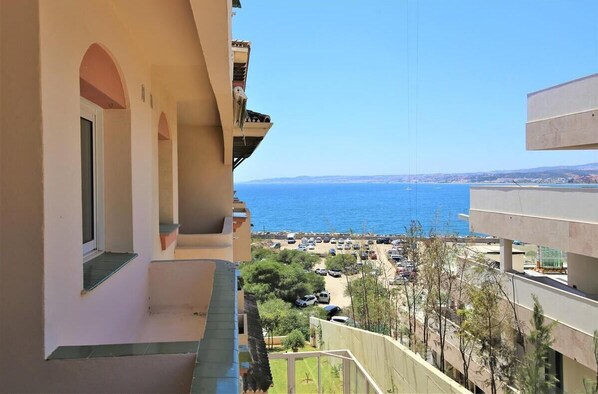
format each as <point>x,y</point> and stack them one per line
<point>398,280</point>
<point>332,240</point>
<point>332,252</point>
<point>341,241</point>
<point>332,310</point>
<point>370,242</point>
<point>363,255</point>
<point>373,255</point>
<point>323,297</point>
<point>334,273</point>
<point>356,246</point>
<point>342,320</point>
<point>318,240</point>
<point>348,241</point>
<point>321,271</point>
<point>306,301</point>
<point>311,246</point>
<point>347,247</point>
<point>275,245</point>
<point>326,240</point>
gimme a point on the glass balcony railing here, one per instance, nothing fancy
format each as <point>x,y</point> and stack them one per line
<point>334,371</point>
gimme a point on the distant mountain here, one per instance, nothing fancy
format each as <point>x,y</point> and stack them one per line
<point>584,173</point>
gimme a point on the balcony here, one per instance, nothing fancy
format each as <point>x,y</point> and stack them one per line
<point>564,116</point>
<point>242,232</point>
<point>576,315</point>
<point>561,218</point>
<point>216,246</point>
<point>187,340</point>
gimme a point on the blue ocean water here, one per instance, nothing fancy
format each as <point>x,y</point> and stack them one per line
<point>360,207</point>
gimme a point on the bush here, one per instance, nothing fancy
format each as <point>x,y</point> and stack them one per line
<point>295,340</point>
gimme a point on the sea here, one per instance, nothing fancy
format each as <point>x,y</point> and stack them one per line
<point>378,208</point>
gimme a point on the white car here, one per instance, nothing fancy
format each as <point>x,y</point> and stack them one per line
<point>306,301</point>
<point>332,240</point>
<point>340,319</point>
<point>341,241</point>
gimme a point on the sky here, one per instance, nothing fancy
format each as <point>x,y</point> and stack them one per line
<point>405,86</point>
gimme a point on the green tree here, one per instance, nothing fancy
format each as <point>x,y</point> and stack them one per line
<point>591,385</point>
<point>295,340</point>
<point>340,262</point>
<point>533,373</point>
<point>271,279</point>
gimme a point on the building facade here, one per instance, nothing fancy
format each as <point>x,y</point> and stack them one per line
<point>120,124</point>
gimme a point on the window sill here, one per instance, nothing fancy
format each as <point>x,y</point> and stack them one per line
<point>100,268</point>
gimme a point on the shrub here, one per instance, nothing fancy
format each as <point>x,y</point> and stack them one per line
<point>295,340</point>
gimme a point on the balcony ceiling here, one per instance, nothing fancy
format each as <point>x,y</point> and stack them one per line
<point>166,35</point>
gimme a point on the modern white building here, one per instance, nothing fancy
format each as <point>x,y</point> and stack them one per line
<point>564,218</point>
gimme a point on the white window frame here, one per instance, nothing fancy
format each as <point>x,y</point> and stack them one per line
<point>94,114</point>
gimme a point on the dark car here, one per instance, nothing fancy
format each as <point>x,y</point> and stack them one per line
<point>332,310</point>
<point>332,252</point>
<point>326,240</point>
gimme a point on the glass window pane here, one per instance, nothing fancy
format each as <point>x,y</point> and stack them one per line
<point>87,182</point>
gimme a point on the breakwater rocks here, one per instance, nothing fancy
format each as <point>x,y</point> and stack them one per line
<point>282,235</point>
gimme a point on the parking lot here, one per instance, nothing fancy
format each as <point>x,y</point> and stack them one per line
<point>337,286</point>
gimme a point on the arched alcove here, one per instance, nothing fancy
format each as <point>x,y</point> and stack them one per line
<point>100,80</point>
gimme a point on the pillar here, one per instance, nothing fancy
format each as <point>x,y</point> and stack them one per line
<point>506,255</point>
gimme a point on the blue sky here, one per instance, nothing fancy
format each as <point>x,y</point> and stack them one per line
<point>405,86</point>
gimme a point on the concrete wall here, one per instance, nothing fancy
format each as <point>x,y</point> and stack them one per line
<point>205,182</point>
<point>582,273</point>
<point>392,366</point>
<point>574,374</point>
<point>563,218</point>
<point>242,236</point>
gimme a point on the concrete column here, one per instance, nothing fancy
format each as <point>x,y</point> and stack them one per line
<point>506,255</point>
<point>582,273</point>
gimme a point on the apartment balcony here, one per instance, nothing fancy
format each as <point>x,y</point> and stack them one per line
<point>575,313</point>
<point>217,246</point>
<point>561,218</point>
<point>187,341</point>
<point>564,116</point>
<point>242,232</point>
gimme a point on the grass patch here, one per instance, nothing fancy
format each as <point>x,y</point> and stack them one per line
<point>306,374</point>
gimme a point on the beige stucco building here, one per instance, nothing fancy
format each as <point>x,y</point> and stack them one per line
<point>120,125</point>
<point>565,218</point>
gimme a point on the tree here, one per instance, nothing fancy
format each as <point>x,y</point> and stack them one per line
<point>271,279</point>
<point>591,385</point>
<point>438,277</point>
<point>295,340</point>
<point>340,262</point>
<point>487,322</point>
<point>534,374</point>
<point>413,291</point>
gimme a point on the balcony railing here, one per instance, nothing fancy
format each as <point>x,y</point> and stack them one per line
<point>207,246</point>
<point>562,218</point>
<point>335,369</point>
<point>564,116</point>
